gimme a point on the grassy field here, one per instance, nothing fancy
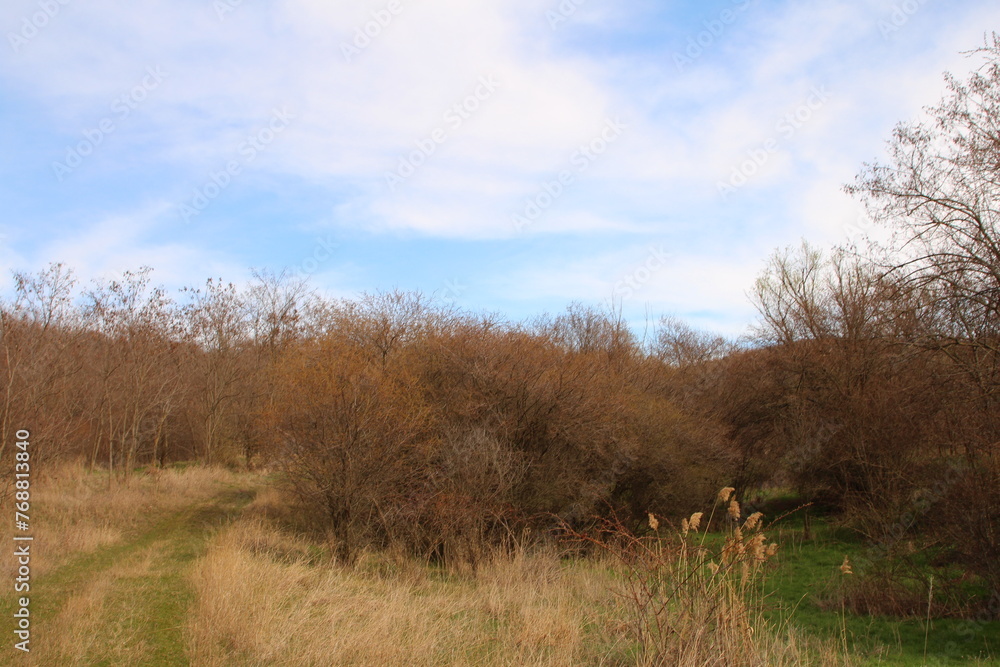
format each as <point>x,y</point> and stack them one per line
<point>805,585</point>
<point>111,565</point>
<point>203,566</point>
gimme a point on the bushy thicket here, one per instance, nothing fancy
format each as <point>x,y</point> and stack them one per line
<point>445,431</point>
<point>396,420</point>
<point>403,422</point>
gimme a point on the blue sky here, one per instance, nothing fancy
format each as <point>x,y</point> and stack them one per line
<point>510,155</point>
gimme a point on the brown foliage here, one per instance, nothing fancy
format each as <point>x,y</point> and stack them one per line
<point>444,432</point>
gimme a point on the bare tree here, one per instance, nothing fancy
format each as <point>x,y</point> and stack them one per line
<point>136,381</point>
<point>40,365</point>
<point>940,191</point>
<point>275,302</point>
<point>218,329</point>
<point>678,344</point>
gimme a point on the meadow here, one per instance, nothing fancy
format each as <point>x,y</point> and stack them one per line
<point>208,566</point>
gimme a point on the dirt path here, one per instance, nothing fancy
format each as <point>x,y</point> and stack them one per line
<point>126,604</point>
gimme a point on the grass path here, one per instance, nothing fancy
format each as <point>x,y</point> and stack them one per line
<point>126,603</point>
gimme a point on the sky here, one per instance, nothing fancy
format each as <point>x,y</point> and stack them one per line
<point>510,156</point>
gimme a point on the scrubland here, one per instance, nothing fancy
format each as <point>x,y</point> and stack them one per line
<point>261,474</point>
<point>208,566</point>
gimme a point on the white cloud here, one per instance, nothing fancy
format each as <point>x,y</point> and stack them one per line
<point>356,117</point>
<point>106,247</point>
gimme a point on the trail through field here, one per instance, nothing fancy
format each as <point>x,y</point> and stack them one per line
<point>126,604</point>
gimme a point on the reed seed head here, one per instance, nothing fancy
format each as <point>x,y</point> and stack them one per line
<point>734,509</point>
<point>753,521</point>
<point>695,520</point>
<point>653,523</point>
<point>725,493</point>
<point>845,567</point>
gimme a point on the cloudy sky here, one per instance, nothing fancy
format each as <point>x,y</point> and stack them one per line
<point>509,155</point>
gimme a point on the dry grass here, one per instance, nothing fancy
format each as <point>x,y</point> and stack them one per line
<point>262,594</point>
<point>267,597</point>
<point>76,511</point>
<point>263,600</point>
<point>691,600</point>
<point>81,629</point>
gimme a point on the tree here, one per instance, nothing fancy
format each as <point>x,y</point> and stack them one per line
<point>275,302</point>
<point>137,383</point>
<point>859,397</point>
<point>218,330</point>
<point>355,443</point>
<point>275,307</point>
<point>679,345</point>
<point>40,363</point>
<point>940,191</point>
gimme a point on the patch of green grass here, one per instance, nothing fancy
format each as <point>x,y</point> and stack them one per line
<point>144,611</point>
<point>165,593</point>
<point>808,571</point>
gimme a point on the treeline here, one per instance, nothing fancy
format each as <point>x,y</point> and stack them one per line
<point>121,375</point>
<point>402,421</point>
<point>398,419</point>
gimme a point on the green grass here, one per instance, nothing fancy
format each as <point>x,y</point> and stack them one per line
<point>146,603</point>
<point>808,571</point>
<point>146,595</point>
